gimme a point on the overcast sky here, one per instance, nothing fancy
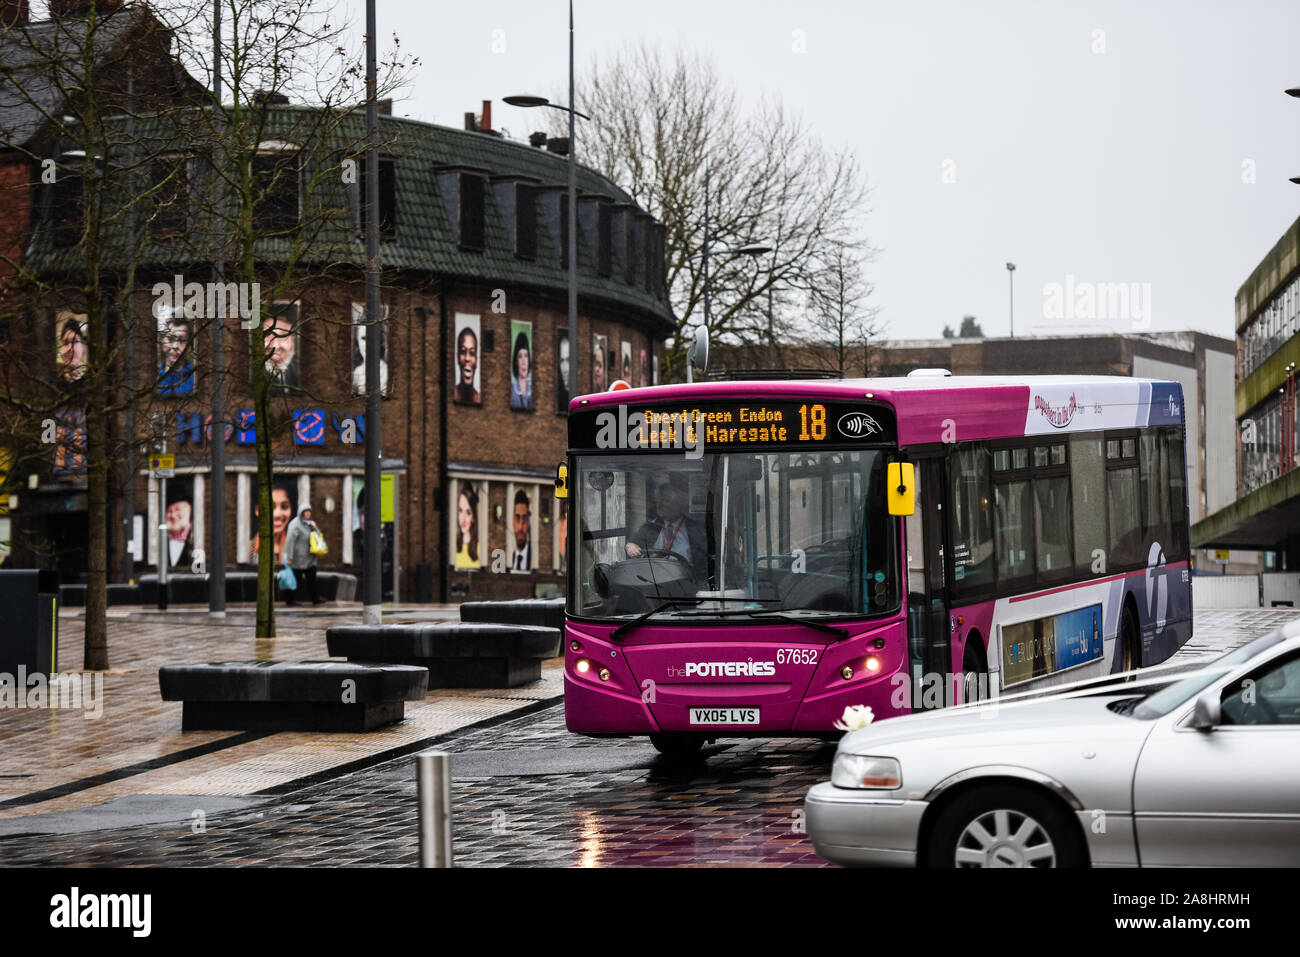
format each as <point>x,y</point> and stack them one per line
<point>1117,142</point>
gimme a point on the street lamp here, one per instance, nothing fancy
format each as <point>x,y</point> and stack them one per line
<point>528,101</point>
<point>756,250</point>
<point>1294,91</point>
<point>1011,296</point>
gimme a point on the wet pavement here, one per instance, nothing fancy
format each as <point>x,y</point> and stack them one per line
<point>525,792</point>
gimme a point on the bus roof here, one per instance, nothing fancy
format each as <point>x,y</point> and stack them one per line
<point>955,408</point>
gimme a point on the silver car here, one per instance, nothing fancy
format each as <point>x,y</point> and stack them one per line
<point>1204,771</point>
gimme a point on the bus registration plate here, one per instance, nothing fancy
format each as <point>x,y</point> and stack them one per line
<point>724,715</point>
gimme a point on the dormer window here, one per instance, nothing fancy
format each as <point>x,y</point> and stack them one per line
<point>517,206</point>
<point>463,199</point>
<point>277,187</point>
<point>387,198</point>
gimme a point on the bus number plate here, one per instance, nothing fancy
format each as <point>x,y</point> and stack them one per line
<point>724,715</point>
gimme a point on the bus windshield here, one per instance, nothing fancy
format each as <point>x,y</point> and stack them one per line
<point>797,531</point>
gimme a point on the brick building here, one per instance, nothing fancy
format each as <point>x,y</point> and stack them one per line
<point>475,409</point>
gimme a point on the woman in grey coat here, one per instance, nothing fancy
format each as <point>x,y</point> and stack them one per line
<point>297,554</point>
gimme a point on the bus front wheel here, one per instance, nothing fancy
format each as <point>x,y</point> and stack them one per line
<point>1130,639</point>
<point>677,744</point>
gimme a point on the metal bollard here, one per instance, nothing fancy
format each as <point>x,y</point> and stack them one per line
<point>433,786</point>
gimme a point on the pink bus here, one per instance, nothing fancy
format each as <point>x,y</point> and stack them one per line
<point>752,558</point>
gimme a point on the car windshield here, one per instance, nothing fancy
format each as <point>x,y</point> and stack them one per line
<point>733,535</point>
<point>1162,702</point>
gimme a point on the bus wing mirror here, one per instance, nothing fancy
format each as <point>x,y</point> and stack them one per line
<point>562,481</point>
<point>902,488</point>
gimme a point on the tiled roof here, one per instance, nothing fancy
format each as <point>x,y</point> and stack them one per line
<point>427,240</point>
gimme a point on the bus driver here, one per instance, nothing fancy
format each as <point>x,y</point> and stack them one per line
<point>673,531</point>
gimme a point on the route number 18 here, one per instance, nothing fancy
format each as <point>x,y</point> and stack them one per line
<point>814,422</point>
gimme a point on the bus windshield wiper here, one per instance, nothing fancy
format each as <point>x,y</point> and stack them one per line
<point>623,629</point>
<point>774,616</point>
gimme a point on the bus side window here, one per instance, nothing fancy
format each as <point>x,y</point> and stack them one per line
<point>916,543</point>
<point>1177,547</point>
<point>1088,489</point>
<point>1124,502</point>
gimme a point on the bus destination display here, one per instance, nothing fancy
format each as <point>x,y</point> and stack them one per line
<point>741,423</point>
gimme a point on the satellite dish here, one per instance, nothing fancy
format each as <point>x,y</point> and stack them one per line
<point>697,356</point>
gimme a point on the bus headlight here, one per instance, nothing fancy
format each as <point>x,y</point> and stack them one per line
<point>866,771</point>
<point>583,666</point>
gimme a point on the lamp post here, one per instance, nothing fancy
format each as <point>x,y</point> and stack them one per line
<point>1294,91</point>
<point>1011,296</point>
<point>217,437</point>
<point>524,100</point>
<point>372,602</point>
<point>756,250</point>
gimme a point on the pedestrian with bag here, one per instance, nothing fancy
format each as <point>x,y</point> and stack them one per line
<point>302,543</point>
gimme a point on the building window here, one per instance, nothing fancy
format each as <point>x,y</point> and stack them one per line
<point>277,188</point>
<point>470,211</point>
<point>67,202</point>
<point>387,198</point>
<point>170,182</point>
<point>525,221</point>
<point>604,248</point>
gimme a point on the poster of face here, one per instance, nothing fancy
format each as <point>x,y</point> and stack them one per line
<point>70,354</point>
<point>643,369</point>
<point>599,356</point>
<point>467,524</point>
<point>625,361</point>
<point>179,518</point>
<point>359,332</point>
<point>175,352</point>
<point>465,359</point>
<point>521,365</point>
<point>284,506</point>
<point>563,386</point>
<point>520,497</point>
<point>280,335</point>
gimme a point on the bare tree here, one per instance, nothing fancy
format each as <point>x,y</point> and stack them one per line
<point>271,209</point>
<point>842,322</point>
<point>655,121</point>
<point>72,89</point>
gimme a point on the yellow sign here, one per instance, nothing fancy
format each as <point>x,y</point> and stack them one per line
<point>162,464</point>
<point>386,498</point>
<point>1220,554</point>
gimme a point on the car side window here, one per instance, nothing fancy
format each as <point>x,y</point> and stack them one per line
<point>1270,695</point>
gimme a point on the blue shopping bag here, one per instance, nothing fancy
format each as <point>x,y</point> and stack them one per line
<point>288,580</point>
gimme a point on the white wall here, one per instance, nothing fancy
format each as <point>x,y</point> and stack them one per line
<point>1220,431</point>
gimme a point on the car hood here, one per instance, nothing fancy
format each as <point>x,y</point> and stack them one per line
<point>1066,720</point>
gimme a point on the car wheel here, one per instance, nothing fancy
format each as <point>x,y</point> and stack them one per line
<point>677,744</point>
<point>1130,641</point>
<point>1004,827</point>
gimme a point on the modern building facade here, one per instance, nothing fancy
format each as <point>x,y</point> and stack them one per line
<point>1266,512</point>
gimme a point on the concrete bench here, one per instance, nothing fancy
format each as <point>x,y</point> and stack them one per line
<point>457,654</point>
<point>74,596</point>
<point>291,695</point>
<point>544,612</point>
<point>241,586</point>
